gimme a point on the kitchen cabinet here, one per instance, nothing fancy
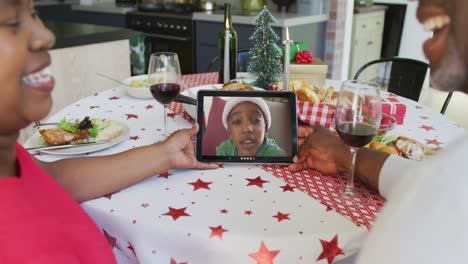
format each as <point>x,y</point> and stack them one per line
<point>304,28</point>
<point>366,41</point>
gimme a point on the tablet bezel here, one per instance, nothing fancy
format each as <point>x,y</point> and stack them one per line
<point>290,96</point>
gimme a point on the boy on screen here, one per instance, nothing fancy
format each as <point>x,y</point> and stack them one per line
<point>248,120</point>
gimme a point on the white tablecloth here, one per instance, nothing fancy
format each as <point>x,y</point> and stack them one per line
<point>235,214</point>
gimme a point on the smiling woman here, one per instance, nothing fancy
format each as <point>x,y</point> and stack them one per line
<point>38,200</point>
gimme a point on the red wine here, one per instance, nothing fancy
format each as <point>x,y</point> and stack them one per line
<point>165,92</point>
<point>356,135</point>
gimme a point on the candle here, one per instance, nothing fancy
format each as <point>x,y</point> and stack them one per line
<point>226,57</point>
<point>287,50</point>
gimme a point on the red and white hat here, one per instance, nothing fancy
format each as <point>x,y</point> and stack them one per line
<point>231,103</point>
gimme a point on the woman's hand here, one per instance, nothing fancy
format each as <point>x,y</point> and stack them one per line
<point>180,149</point>
<point>321,150</point>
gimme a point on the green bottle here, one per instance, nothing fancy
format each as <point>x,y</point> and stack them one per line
<point>232,47</point>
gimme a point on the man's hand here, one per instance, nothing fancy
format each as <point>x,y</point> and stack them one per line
<point>321,150</point>
<point>180,149</point>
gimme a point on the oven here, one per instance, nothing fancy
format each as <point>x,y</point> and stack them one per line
<point>166,32</point>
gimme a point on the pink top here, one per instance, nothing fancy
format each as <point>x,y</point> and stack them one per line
<point>41,223</point>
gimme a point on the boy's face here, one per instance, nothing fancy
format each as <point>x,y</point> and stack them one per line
<point>247,128</point>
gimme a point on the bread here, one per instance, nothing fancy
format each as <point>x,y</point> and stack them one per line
<point>376,145</point>
<point>109,132</point>
<point>56,136</point>
<point>235,86</point>
<point>305,94</point>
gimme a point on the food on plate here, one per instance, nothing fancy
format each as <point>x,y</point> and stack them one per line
<point>87,129</point>
<point>143,83</point>
<point>402,146</point>
<point>235,86</point>
<point>413,149</point>
<point>110,132</point>
<point>56,136</point>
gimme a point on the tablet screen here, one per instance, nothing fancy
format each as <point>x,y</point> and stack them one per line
<point>246,126</point>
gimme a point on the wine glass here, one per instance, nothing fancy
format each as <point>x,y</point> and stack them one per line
<point>358,114</point>
<point>164,79</point>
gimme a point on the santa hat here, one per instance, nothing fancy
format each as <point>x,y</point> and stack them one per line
<point>231,103</point>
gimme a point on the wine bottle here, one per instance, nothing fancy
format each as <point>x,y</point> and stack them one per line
<point>229,48</point>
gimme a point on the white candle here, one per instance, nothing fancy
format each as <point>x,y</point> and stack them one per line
<point>226,56</point>
<point>287,50</point>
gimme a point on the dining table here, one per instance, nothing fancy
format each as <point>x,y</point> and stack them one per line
<point>238,213</point>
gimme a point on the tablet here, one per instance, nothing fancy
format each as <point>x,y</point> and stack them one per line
<point>246,126</point>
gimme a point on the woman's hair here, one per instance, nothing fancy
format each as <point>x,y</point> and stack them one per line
<point>231,103</point>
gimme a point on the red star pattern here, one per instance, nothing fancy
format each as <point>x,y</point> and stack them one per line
<point>424,117</point>
<point>109,196</point>
<point>172,115</point>
<point>330,250</point>
<point>223,211</point>
<point>144,205</point>
<point>433,142</point>
<point>287,187</point>
<point>131,248</point>
<point>94,106</point>
<point>176,213</point>
<point>256,181</point>
<point>130,116</point>
<point>110,239</point>
<point>164,175</point>
<point>427,128</point>
<point>248,212</point>
<point>134,138</point>
<point>264,256</point>
<point>281,216</point>
<point>199,184</point>
<point>114,98</point>
<point>418,107</point>
<point>149,107</point>
<point>217,231</point>
<point>174,262</point>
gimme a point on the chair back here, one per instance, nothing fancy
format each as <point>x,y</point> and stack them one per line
<point>243,58</point>
<point>406,76</point>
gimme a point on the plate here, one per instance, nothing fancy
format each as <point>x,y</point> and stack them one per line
<point>36,139</point>
<point>142,92</point>
<point>192,92</point>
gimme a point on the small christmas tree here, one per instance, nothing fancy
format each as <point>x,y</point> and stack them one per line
<point>265,62</point>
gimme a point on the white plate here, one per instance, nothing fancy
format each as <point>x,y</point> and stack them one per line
<point>138,92</point>
<point>35,142</point>
<point>192,92</point>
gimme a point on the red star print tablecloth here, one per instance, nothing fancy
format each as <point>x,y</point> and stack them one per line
<point>238,213</point>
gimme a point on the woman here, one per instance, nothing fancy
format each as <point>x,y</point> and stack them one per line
<point>248,121</point>
<point>41,221</point>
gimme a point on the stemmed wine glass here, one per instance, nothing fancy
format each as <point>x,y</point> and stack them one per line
<point>164,79</point>
<point>357,118</point>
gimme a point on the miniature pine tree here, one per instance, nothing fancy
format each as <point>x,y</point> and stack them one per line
<point>265,62</point>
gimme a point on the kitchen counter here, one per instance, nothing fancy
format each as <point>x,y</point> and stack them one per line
<point>283,19</point>
<point>374,8</point>
<point>76,34</point>
<point>55,2</point>
<point>110,8</point>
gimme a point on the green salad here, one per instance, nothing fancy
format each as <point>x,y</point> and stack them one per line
<point>94,125</point>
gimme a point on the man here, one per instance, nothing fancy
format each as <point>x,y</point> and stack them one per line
<point>425,217</point>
